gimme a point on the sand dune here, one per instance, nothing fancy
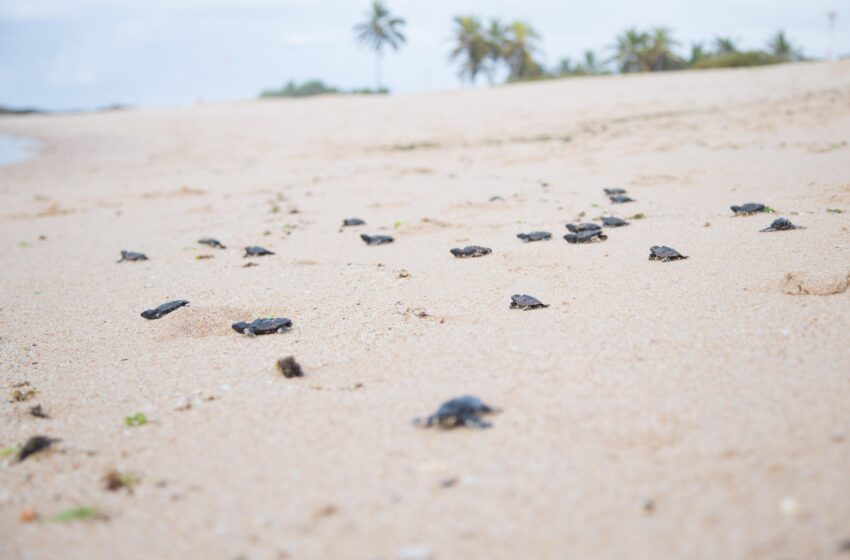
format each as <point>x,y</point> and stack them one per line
<point>689,409</point>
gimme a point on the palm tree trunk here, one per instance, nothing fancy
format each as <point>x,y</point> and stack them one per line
<point>378,70</point>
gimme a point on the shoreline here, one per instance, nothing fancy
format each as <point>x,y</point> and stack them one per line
<point>17,149</point>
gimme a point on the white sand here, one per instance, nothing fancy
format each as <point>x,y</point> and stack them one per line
<point>700,385</point>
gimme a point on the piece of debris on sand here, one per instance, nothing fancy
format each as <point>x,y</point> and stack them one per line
<point>288,367</point>
<point>34,445</point>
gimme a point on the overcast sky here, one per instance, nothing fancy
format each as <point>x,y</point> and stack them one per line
<point>59,54</point>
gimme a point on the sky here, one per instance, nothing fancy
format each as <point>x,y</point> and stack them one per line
<point>83,54</point>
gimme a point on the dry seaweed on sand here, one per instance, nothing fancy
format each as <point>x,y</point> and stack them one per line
<point>288,367</point>
<point>115,480</point>
<point>38,412</point>
<point>22,392</point>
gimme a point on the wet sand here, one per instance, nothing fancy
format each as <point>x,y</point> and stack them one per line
<point>690,409</point>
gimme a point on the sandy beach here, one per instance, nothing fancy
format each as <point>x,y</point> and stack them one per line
<point>690,409</point>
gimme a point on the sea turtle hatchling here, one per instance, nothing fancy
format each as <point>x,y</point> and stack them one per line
<point>164,309</point>
<point>214,243</point>
<point>611,221</point>
<point>616,190</point>
<point>781,224</point>
<point>748,209</point>
<point>256,251</point>
<point>534,236</point>
<point>262,326</point>
<point>132,256</point>
<point>664,254</point>
<point>588,236</point>
<point>471,251</point>
<point>353,222</point>
<point>620,198</point>
<point>463,411</point>
<point>35,444</point>
<point>587,226</point>
<point>526,302</point>
<point>376,239</point>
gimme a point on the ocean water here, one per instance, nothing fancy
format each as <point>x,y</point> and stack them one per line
<point>15,149</point>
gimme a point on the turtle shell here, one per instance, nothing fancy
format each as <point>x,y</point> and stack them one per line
<point>262,326</point>
<point>164,309</point>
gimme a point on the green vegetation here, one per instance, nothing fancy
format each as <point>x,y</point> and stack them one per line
<point>8,451</point>
<point>73,514</point>
<point>316,87</point>
<point>138,419</point>
<point>515,47</point>
<point>380,29</point>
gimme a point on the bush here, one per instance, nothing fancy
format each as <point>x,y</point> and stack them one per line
<point>291,89</point>
<point>736,60</point>
<point>316,87</point>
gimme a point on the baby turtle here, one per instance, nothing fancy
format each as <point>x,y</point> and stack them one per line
<point>164,309</point>
<point>781,224</point>
<point>35,444</point>
<point>471,251</point>
<point>462,411</point>
<point>614,191</point>
<point>534,236</point>
<point>611,221</point>
<point>586,236</point>
<point>132,256</point>
<point>663,253</point>
<point>376,239</point>
<point>214,243</point>
<point>575,228</point>
<point>526,302</point>
<point>256,251</point>
<point>353,222</point>
<point>620,198</point>
<point>748,208</point>
<point>288,367</point>
<point>262,326</point>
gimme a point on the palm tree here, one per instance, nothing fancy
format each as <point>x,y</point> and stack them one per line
<point>520,47</point>
<point>471,46</point>
<point>495,37</point>
<point>725,45</point>
<point>590,64</point>
<point>659,55</point>
<point>380,29</point>
<point>698,53</point>
<point>782,48</point>
<point>629,49</point>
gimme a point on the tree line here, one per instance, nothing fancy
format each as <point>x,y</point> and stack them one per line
<point>485,49</point>
<point>511,51</point>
